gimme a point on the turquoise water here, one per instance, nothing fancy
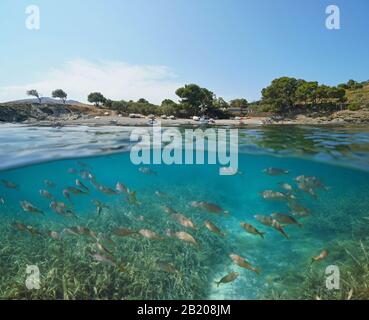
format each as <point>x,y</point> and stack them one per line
<point>337,156</point>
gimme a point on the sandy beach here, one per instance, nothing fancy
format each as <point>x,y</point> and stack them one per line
<point>343,117</point>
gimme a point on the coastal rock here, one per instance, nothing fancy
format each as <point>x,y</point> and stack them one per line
<point>20,113</point>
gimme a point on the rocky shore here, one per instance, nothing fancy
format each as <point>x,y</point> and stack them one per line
<point>89,115</point>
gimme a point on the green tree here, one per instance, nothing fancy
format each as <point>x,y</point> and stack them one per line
<point>241,104</point>
<point>60,94</point>
<point>336,93</point>
<point>221,104</point>
<point>194,99</point>
<point>167,102</point>
<point>353,85</point>
<point>108,103</point>
<point>34,93</point>
<point>322,93</point>
<point>142,100</point>
<point>96,98</point>
<point>281,94</point>
<point>169,107</point>
<point>306,92</point>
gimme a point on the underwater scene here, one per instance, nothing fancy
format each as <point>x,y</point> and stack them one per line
<point>97,226</point>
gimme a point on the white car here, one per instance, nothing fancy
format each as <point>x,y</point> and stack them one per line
<point>196,118</point>
<point>164,117</point>
<point>172,117</point>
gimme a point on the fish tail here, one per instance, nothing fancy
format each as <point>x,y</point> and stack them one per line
<point>257,271</point>
<point>261,234</point>
<point>217,283</point>
<point>283,233</point>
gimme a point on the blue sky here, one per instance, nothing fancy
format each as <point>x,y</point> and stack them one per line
<point>145,48</point>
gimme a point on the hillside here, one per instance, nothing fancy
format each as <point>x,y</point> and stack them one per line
<point>359,96</point>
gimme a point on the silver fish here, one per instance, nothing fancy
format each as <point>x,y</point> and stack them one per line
<point>28,207</point>
<point>285,219</point>
<point>147,171</point>
<point>46,194</point>
<point>104,259</point>
<point>121,188</point>
<point>210,207</point>
<point>107,190</point>
<point>150,234</point>
<point>81,185</point>
<point>286,186</point>
<point>265,220</point>
<point>67,195</point>
<point>61,209</point>
<point>9,184</point>
<point>275,171</point>
<point>228,278</point>
<point>273,195</point>
<point>76,191</point>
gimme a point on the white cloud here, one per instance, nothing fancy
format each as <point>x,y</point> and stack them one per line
<point>116,80</point>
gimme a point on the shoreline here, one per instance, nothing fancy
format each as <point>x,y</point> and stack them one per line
<point>342,118</point>
<point>64,115</point>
